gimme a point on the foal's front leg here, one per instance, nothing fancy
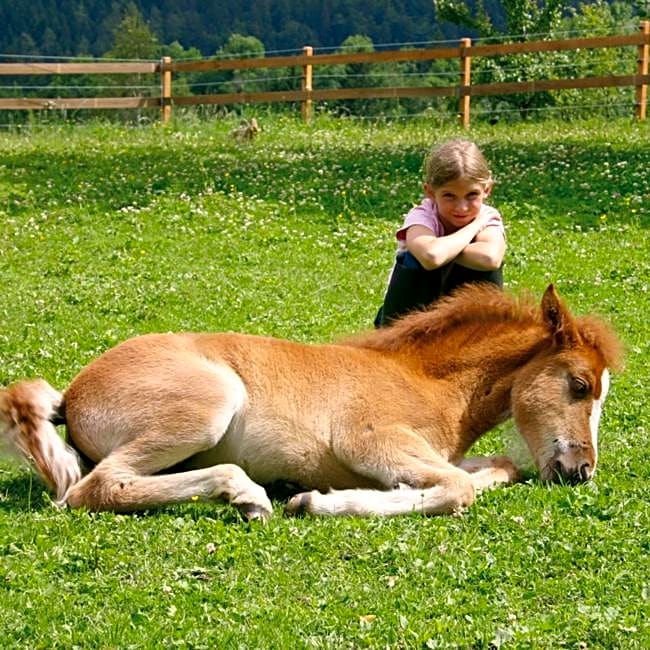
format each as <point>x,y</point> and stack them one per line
<point>415,478</point>
<point>489,471</point>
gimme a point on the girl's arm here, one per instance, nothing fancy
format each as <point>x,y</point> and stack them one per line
<point>433,252</point>
<point>486,252</point>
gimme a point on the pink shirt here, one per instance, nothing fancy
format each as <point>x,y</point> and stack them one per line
<point>426,214</point>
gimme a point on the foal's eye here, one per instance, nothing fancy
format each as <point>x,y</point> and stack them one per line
<point>579,387</point>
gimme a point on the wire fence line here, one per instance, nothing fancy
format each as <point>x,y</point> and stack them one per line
<point>270,81</point>
<point>505,78</point>
<point>442,114</point>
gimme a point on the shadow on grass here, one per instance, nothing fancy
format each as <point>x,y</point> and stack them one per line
<point>24,493</point>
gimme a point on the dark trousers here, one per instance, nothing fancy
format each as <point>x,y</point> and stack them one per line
<point>413,287</point>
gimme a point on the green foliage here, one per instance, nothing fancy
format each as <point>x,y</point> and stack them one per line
<point>133,39</point>
<point>473,17</point>
<point>601,17</point>
<point>81,27</point>
<point>361,75</point>
<point>640,7</point>
<point>242,47</point>
<point>110,231</point>
<point>239,46</point>
<point>594,20</point>
<point>552,19</point>
<point>73,27</point>
<point>522,17</point>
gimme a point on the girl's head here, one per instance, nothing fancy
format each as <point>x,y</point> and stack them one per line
<point>453,160</point>
<point>457,180</point>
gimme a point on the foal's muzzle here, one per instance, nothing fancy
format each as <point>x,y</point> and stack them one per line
<point>572,463</point>
<point>573,474</point>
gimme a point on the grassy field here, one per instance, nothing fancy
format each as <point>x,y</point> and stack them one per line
<point>107,232</point>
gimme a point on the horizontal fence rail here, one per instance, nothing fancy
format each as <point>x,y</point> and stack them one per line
<point>307,95</point>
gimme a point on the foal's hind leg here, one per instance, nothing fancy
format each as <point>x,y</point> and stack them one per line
<point>187,418</point>
<point>114,485</point>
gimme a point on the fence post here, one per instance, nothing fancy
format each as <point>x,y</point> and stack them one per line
<point>306,106</point>
<point>166,89</point>
<point>465,81</point>
<point>642,69</point>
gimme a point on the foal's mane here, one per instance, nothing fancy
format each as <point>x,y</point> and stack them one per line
<point>470,304</point>
<point>484,304</point>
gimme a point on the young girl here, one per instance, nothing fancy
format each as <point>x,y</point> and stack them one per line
<point>451,238</point>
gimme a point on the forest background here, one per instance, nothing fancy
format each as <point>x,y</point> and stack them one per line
<point>64,28</point>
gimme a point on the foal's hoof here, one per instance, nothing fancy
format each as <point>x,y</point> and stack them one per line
<point>298,505</point>
<point>254,512</point>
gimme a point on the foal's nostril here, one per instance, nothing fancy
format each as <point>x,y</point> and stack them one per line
<point>558,470</point>
<point>585,472</point>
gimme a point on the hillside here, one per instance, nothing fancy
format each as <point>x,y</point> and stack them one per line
<point>70,27</point>
<point>82,27</point>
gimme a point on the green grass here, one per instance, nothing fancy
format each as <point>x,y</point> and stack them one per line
<point>107,232</point>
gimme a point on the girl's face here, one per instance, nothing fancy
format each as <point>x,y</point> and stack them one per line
<point>459,201</point>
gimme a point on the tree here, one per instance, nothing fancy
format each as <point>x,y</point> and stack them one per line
<point>364,75</point>
<point>238,46</point>
<point>359,74</point>
<point>596,19</point>
<point>133,39</point>
<point>521,17</point>
<point>542,18</point>
<point>641,7</point>
<point>25,44</point>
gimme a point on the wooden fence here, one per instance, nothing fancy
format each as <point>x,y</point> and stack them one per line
<point>465,52</point>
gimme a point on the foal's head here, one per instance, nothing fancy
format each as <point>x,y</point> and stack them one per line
<point>558,397</point>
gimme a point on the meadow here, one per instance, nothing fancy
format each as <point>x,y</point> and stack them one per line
<point>111,231</point>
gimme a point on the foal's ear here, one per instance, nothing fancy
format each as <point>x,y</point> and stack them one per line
<point>559,321</point>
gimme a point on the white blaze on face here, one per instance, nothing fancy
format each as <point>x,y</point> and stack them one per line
<point>596,410</point>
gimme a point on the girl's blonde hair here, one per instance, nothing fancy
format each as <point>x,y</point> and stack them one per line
<point>455,159</point>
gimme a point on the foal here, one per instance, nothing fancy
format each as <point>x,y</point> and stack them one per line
<point>379,424</point>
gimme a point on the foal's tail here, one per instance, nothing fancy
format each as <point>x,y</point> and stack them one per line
<point>28,411</point>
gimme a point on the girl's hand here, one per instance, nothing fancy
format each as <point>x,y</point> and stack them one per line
<point>486,251</point>
<point>485,219</point>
